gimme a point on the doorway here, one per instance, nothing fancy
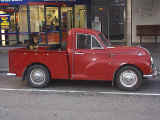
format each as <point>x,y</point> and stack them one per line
<point>109,17</point>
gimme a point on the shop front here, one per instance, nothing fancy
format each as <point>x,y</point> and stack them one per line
<point>110,17</point>
<point>51,19</point>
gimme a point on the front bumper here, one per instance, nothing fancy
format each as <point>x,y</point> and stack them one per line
<point>154,74</point>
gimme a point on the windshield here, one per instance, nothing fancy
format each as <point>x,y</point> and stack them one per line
<point>106,42</point>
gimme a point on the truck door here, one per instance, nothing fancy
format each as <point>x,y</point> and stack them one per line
<point>90,59</point>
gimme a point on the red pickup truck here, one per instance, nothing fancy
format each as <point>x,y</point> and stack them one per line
<point>85,55</point>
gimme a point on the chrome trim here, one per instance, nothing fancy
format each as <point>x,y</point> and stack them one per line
<point>148,76</point>
<point>79,53</point>
<point>128,78</point>
<point>155,74</point>
<point>101,48</point>
<point>10,74</point>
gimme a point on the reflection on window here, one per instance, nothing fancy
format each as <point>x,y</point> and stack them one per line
<point>83,41</point>
<point>95,43</point>
<point>105,41</point>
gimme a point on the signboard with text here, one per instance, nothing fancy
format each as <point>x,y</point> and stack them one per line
<point>27,1</point>
<point>4,21</point>
<point>14,1</point>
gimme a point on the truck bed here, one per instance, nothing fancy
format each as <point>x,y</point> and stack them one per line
<point>55,60</point>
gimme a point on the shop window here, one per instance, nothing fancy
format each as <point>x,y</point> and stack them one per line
<point>22,24</point>
<point>36,17</point>
<point>16,31</point>
<point>66,18</point>
<point>12,32</point>
<point>80,16</point>
<point>37,21</point>
<point>8,26</point>
<point>52,19</point>
<point>66,21</point>
<point>51,26</point>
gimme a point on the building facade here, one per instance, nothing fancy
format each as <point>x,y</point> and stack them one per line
<point>50,18</point>
<point>117,19</point>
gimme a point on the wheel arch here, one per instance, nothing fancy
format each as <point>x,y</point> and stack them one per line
<point>26,69</point>
<point>115,73</point>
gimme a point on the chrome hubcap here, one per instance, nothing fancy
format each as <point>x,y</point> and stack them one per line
<point>128,78</point>
<point>37,76</point>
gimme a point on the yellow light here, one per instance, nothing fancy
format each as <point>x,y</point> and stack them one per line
<point>2,12</point>
<point>100,9</point>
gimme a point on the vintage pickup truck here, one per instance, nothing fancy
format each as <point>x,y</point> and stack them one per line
<point>86,55</point>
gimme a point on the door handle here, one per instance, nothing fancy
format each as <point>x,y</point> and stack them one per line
<point>79,53</point>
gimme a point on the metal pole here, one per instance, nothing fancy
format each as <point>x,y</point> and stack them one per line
<point>45,29</point>
<point>28,19</point>
<point>129,22</point>
<point>73,8</point>
<point>108,26</point>
<point>60,24</point>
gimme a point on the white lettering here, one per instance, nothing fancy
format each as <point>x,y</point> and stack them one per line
<point>11,0</point>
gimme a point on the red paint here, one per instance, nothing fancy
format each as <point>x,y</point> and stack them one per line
<point>94,64</point>
<point>4,4</point>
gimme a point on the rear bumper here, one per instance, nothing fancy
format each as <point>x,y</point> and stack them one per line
<point>10,74</point>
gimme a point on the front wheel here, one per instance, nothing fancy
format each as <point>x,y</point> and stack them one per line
<point>38,76</point>
<point>128,78</point>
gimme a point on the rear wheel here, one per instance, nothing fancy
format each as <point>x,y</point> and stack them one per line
<point>38,76</point>
<point>128,78</point>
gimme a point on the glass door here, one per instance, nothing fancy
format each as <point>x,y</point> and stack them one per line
<point>117,20</point>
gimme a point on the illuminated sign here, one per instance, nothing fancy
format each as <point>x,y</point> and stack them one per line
<point>27,1</point>
<point>4,21</point>
<point>14,1</point>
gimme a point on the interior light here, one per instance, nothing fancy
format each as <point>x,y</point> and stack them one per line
<point>100,9</point>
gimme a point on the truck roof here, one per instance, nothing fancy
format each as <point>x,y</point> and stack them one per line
<point>84,30</point>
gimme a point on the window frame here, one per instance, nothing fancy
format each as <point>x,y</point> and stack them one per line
<point>92,36</point>
<point>101,47</point>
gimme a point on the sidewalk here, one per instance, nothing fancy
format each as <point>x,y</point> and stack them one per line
<point>153,48</point>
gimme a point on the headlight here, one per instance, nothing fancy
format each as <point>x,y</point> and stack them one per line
<point>152,62</point>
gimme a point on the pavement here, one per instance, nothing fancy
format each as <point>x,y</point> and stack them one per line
<point>77,99</point>
<point>52,106</point>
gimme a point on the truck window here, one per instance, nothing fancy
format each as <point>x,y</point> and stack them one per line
<point>106,42</point>
<point>95,43</point>
<point>83,41</point>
